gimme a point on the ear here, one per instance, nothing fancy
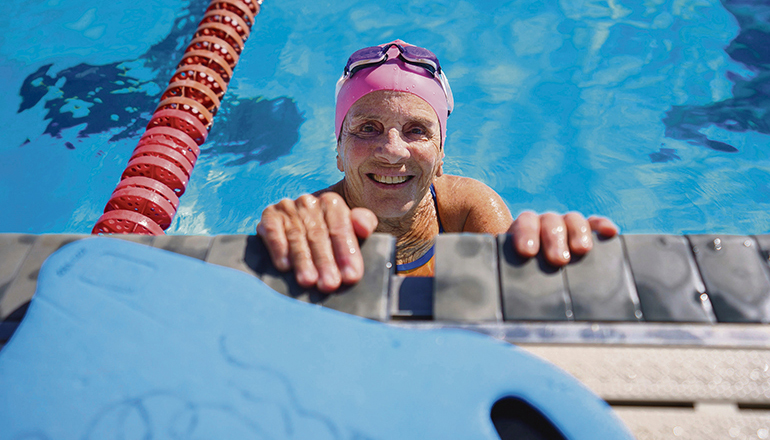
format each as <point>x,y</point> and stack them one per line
<point>340,165</point>
<point>440,170</point>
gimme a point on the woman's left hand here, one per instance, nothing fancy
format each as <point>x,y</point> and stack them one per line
<point>559,236</point>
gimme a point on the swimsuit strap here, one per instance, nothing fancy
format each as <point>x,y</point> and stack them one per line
<point>418,262</point>
<point>428,255</point>
<point>435,204</point>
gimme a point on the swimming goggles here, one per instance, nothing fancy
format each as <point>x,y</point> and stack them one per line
<point>414,55</point>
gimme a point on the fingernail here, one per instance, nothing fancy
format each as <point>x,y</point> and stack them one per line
<point>350,272</point>
<point>330,280</point>
<point>302,278</point>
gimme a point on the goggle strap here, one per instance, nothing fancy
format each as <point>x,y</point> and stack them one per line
<point>363,64</point>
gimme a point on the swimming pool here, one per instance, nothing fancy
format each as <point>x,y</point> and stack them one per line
<point>652,113</point>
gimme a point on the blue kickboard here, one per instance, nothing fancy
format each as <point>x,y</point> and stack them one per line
<point>123,341</point>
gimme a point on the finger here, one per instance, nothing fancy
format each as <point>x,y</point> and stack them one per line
<point>526,234</point>
<point>299,251</point>
<point>603,226</point>
<point>343,238</point>
<point>319,243</point>
<point>553,236</point>
<point>578,233</point>
<point>364,222</point>
<point>270,228</point>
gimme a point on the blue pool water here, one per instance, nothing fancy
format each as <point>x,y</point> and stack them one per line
<point>653,113</point>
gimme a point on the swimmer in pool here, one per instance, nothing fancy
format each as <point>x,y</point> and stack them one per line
<point>392,104</point>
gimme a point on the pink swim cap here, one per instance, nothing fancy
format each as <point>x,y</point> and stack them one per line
<point>397,75</point>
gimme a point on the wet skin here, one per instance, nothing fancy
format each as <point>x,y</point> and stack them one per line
<point>390,151</point>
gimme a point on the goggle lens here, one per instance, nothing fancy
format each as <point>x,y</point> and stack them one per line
<point>365,57</point>
<point>369,56</point>
<point>420,55</point>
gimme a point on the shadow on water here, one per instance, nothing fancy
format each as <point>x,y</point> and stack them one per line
<point>120,97</point>
<point>747,110</point>
<point>664,155</point>
<point>255,130</point>
<point>87,95</point>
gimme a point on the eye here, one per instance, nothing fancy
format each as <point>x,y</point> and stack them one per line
<point>367,129</point>
<point>417,131</point>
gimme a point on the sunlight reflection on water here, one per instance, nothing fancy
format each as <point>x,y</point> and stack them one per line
<point>652,114</point>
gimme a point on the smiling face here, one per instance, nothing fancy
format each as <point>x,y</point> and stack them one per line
<point>390,151</point>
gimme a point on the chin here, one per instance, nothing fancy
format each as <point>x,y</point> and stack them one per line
<point>386,211</point>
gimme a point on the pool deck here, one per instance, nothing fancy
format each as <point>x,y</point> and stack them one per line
<point>670,330</point>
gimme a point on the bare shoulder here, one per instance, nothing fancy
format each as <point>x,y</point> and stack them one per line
<point>337,188</point>
<point>467,205</point>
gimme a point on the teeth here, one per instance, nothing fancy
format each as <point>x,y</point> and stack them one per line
<point>390,180</point>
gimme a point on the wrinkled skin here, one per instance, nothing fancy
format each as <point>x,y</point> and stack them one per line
<point>390,150</point>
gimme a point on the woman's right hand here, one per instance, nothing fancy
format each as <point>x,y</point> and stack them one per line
<point>318,238</point>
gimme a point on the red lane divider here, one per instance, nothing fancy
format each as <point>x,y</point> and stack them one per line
<point>145,202</point>
<point>171,155</point>
<point>223,32</point>
<point>126,222</point>
<point>147,197</point>
<point>175,139</point>
<point>152,185</point>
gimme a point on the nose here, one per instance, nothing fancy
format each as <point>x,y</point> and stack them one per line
<point>394,149</point>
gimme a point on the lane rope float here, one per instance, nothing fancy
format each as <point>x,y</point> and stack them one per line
<point>157,174</point>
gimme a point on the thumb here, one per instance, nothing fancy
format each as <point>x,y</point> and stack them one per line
<point>364,222</point>
<point>603,226</point>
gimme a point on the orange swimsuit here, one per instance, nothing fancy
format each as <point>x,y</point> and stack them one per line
<point>423,266</point>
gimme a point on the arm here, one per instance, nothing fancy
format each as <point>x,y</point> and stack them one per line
<point>468,205</point>
<point>475,207</point>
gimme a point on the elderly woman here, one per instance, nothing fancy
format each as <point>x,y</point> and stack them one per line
<point>393,102</point>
